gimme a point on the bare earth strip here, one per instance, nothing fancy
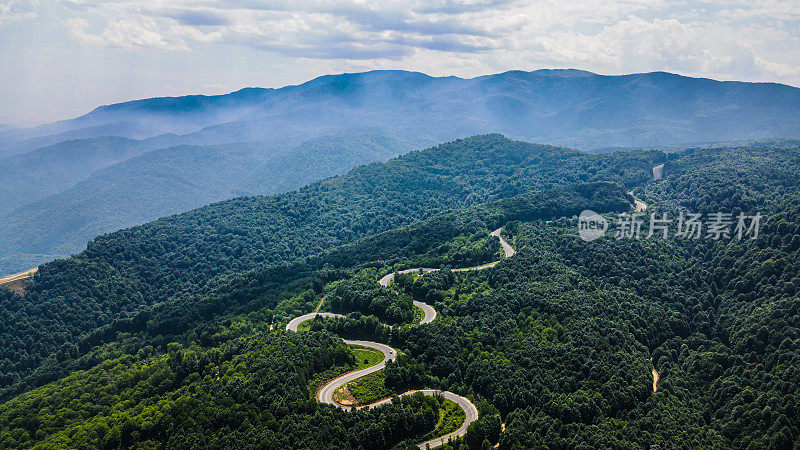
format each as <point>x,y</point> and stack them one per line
<point>655,381</point>
<point>18,276</point>
<point>319,305</point>
<point>656,377</point>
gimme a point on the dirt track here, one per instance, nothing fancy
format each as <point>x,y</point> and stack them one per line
<point>18,276</point>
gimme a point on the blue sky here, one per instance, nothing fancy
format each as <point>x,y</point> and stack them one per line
<point>63,58</point>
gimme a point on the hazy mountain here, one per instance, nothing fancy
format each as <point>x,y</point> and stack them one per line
<point>138,119</point>
<point>32,176</point>
<point>565,107</point>
<point>127,163</point>
<point>171,180</point>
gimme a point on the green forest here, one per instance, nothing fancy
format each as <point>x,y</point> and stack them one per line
<point>172,334</point>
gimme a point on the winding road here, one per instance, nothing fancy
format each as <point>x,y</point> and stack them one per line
<point>294,323</point>
<point>430,313</point>
<point>508,251</point>
<point>325,393</point>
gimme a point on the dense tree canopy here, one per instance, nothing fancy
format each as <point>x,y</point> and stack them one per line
<point>557,343</point>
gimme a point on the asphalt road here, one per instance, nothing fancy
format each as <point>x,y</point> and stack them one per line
<point>507,250</point>
<point>469,408</point>
<point>639,206</point>
<point>294,323</point>
<point>387,278</point>
<point>430,313</point>
<point>325,393</point>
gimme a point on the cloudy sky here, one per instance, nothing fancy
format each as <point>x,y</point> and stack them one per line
<point>60,59</point>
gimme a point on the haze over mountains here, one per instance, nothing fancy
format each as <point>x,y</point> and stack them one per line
<point>564,107</point>
<point>128,163</point>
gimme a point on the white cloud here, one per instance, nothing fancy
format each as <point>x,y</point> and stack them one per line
<point>339,29</point>
<point>236,43</point>
<point>14,10</point>
<point>712,37</point>
<point>136,30</point>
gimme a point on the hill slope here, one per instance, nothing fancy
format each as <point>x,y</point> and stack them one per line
<point>32,176</point>
<point>157,183</point>
<point>560,342</point>
<point>127,272</point>
<point>563,107</point>
<point>171,180</point>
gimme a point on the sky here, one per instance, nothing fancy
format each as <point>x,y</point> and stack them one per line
<point>62,58</point>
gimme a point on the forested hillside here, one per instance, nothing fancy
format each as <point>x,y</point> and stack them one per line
<point>126,272</point>
<point>130,163</point>
<point>169,334</point>
<point>168,181</point>
<point>62,196</point>
<point>37,174</point>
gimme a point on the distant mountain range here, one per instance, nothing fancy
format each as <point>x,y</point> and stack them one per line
<point>131,162</point>
<point>564,107</point>
<point>44,222</point>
